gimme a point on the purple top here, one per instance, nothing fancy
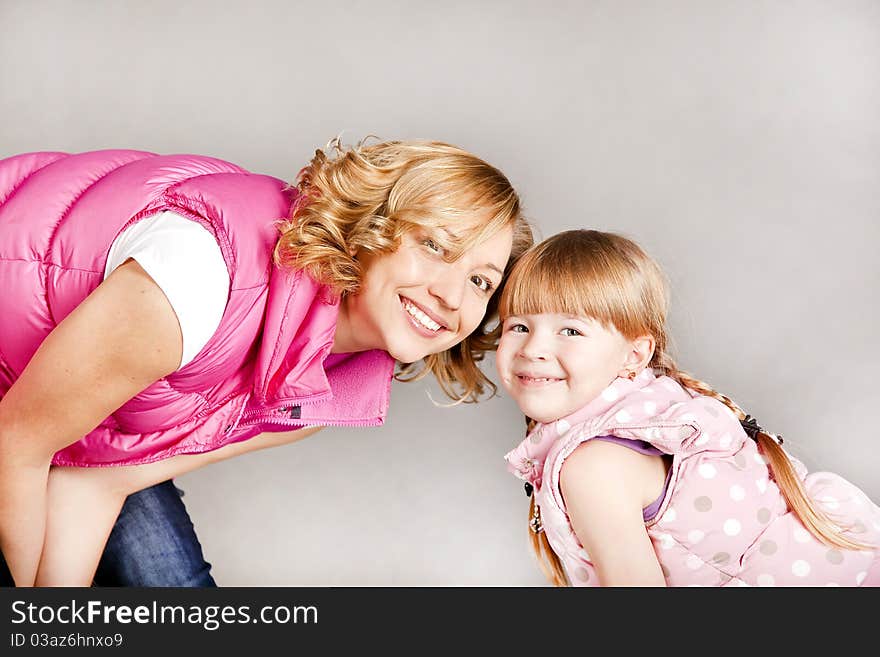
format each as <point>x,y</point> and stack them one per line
<point>643,447</point>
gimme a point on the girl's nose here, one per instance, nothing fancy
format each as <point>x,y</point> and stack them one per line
<point>534,347</point>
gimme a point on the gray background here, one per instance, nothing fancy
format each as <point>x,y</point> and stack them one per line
<point>739,142</point>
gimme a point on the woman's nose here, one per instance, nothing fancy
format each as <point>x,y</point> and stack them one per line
<point>447,290</point>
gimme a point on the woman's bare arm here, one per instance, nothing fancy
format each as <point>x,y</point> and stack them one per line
<point>119,340</point>
<point>84,503</point>
<point>127,479</point>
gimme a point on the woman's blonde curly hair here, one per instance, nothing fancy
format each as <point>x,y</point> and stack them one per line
<point>363,198</point>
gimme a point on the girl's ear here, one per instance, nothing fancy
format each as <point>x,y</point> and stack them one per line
<point>641,350</point>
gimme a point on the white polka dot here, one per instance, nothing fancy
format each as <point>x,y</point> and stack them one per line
<point>766,580</point>
<point>732,527</point>
<point>801,535</point>
<point>695,586</point>
<point>654,433</point>
<point>725,440</point>
<point>861,577</point>
<point>737,493</point>
<point>694,562</point>
<point>832,584</point>
<point>762,485</point>
<point>670,384</point>
<point>759,459</point>
<point>707,470</point>
<point>702,440</point>
<point>666,541</point>
<point>669,516</point>
<point>741,584</point>
<point>688,417</point>
<point>623,416</point>
<point>685,432</point>
<point>695,536</point>
<point>562,426</point>
<point>650,407</point>
<point>829,502</point>
<point>610,394</point>
<point>800,568</point>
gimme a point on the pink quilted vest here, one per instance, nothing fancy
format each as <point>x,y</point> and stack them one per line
<point>264,368</point>
<point>723,520</point>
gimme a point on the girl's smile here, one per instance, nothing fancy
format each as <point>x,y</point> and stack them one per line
<point>538,381</point>
<point>552,364</point>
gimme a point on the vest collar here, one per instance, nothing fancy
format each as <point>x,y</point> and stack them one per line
<point>526,460</point>
<point>298,332</point>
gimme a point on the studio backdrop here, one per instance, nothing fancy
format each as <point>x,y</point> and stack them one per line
<point>738,142</point>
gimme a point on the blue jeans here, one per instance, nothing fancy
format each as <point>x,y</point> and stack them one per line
<point>153,543</point>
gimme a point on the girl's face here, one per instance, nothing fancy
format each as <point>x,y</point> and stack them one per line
<point>412,303</point>
<point>554,364</point>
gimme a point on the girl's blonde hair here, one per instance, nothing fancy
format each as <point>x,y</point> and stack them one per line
<point>612,280</point>
<point>362,199</point>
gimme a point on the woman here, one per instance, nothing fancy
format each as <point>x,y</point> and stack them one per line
<point>150,328</point>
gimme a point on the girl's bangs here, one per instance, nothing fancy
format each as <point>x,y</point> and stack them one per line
<point>541,283</point>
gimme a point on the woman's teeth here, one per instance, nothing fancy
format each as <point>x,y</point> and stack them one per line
<point>420,317</point>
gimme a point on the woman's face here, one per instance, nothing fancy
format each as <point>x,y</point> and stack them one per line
<point>412,303</point>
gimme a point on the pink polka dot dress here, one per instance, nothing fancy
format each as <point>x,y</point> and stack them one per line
<point>723,520</point>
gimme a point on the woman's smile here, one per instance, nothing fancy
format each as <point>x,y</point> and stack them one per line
<point>423,320</point>
<point>414,301</point>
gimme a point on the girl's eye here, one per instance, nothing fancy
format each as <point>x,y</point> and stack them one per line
<point>570,332</point>
<point>517,328</point>
<point>483,283</point>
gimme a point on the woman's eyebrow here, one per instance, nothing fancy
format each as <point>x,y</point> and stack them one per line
<point>489,265</point>
<point>455,239</point>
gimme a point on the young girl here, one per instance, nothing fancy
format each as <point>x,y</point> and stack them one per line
<point>158,316</point>
<point>642,474</point>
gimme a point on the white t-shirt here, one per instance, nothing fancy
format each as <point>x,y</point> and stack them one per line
<point>185,261</point>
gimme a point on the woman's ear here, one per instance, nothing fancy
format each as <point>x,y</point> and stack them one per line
<point>641,350</point>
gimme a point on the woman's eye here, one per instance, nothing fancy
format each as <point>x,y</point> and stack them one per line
<point>432,245</point>
<point>517,328</point>
<point>569,332</point>
<point>483,283</point>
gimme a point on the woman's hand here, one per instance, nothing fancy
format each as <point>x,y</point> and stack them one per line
<point>83,504</point>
